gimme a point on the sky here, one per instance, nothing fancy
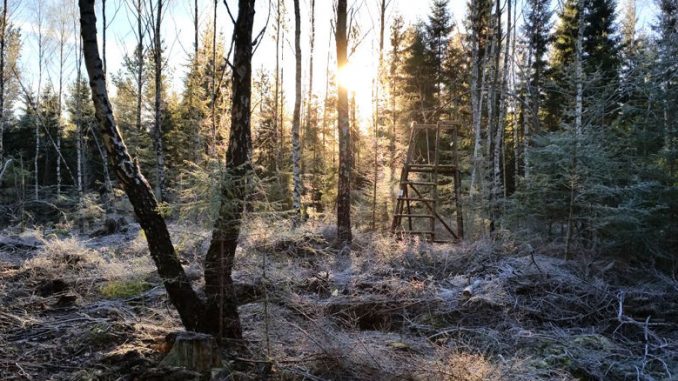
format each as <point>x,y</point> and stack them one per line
<point>178,36</point>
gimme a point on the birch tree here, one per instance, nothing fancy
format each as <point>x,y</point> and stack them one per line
<point>479,14</point>
<point>63,34</point>
<point>39,25</point>
<point>155,21</point>
<point>218,314</point>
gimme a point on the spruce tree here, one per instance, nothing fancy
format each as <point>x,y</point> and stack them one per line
<point>438,29</point>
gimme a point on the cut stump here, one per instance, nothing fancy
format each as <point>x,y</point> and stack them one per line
<point>195,351</point>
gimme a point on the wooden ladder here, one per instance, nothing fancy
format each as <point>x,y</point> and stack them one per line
<point>426,162</point>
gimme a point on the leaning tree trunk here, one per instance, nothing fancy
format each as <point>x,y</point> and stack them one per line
<point>221,298</point>
<point>344,195</point>
<point>219,316</point>
<point>296,147</point>
<point>181,294</point>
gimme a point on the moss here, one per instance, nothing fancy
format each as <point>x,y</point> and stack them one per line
<point>124,288</point>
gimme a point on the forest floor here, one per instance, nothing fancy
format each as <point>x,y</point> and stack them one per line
<point>93,308</point>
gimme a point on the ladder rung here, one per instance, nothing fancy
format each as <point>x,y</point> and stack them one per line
<point>414,232</point>
<point>416,199</point>
<point>417,182</point>
<point>441,166</point>
<point>415,215</point>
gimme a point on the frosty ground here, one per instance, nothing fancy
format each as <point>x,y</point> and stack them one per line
<point>91,307</point>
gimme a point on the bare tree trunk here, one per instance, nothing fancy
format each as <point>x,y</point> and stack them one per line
<point>190,308</point>
<point>3,42</point>
<point>344,192</point>
<point>578,128</point>
<point>196,131</point>
<point>497,188</point>
<point>221,253</point>
<point>382,19</point>
<point>62,43</point>
<point>309,102</point>
<point>296,148</point>
<point>514,106</point>
<point>326,99</point>
<point>527,131</point>
<point>213,103</point>
<point>157,130</point>
<point>140,62</point>
<point>477,91</point>
<point>103,34</point>
<point>38,103</point>
<point>78,123</point>
<point>196,31</point>
<point>281,112</point>
<point>108,186</point>
<point>277,84</point>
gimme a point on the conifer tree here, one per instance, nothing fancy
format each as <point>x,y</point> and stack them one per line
<point>536,31</point>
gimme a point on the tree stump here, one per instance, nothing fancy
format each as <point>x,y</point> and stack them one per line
<point>195,351</point>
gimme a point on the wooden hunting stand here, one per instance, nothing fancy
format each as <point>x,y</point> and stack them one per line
<point>427,167</point>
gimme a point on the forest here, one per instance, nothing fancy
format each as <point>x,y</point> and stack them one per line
<point>338,190</point>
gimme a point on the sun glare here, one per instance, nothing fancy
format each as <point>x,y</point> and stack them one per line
<point>358,78</point>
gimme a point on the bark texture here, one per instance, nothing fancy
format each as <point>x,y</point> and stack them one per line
<point>3,33</point>
<point>296,118</point>
<point>182,296</point>
<point>157,130</point>
<point>221,300</point>
<point>345,156</point>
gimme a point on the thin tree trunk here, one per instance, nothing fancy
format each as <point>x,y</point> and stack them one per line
<point>296,148</point>
<point>140,64</point>
<point>108,186</point>
<point>344,188</point>
<point>3,42</point>
<point>103,35</point>
<point>38,103</point>
<point>157,130</point>
<point>213,103</point>
<point>527,131</point>
<point>281,112</point>
<point>477,89</point>
<point>196,31</point>
<point>578,129</point>
<point>277,86</point>
<point>382,18</point>
<point>326,99</point>
<point>62,43</point>
<point>497,187</point>
<point>78,123</point>
<point>221,253</point>
<point>309,106</point>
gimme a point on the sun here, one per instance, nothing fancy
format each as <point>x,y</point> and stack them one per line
<point>358,77</point>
